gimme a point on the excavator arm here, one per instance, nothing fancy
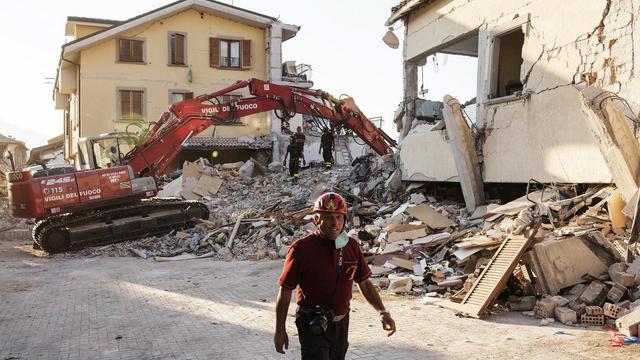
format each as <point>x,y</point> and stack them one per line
<point>188,118</point>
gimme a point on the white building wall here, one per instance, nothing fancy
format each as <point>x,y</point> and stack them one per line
<point>542,136</point>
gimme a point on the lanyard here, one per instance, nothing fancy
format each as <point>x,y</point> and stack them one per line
<point>340,260</point>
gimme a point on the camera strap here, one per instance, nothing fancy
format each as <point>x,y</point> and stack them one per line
<point>338,272</point>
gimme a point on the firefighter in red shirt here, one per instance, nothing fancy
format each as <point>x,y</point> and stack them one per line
<point>323,266</point>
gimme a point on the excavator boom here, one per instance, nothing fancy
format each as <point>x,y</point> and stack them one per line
<point>188,118</point>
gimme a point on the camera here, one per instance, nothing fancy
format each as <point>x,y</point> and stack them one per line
<point>320,321</point>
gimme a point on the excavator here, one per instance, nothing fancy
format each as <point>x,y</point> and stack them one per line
<point>110,195</point>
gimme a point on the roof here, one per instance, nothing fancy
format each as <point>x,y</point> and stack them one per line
<point>227,143</point>
<point>8,140</point>
<point>211,6</point>
<point>404,8</point>
<point>83,19</point>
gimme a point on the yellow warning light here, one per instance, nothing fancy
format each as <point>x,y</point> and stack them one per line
<point>214,154</point>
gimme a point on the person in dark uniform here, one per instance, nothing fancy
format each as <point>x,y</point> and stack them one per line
<point>327,145</point>
<point>300,138</point>
<point>323,267</point>
<point>293,152</point>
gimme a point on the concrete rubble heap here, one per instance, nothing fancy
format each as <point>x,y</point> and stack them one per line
<point>573,269</point>
<point>571,265</point>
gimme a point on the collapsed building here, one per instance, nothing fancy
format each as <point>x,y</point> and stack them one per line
<point>555,102</point>
<point>531,117</point>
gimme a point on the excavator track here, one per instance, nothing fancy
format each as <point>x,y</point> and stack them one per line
<point>106,226</point>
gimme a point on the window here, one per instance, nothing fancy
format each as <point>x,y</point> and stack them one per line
<point>506,76</point>
<point>178,95</point>
<point>131,105</point>
<point>177,49</point>
<point>230,97</point>
<point>228,53</point>
<point>130,50</point>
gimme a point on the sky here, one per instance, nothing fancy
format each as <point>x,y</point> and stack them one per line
<point>341,40</point>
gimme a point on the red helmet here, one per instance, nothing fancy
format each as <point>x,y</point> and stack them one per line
<point>331,202</point>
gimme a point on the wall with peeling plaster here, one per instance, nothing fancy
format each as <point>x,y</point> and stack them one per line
<point>542,135</point>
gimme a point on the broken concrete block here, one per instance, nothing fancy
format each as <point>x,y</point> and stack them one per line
<point>417,199</point>
<point>592,320</point>
<point>614,268</point>
<point>594,293</point>
<point>544,308</point>
<point>282,253</point>
<point>614,311</point>
<point>559,300</point>
<point>577,290</point>
<point>628,324</point>
<point>246,170</point>
<point>562,263</point>
<point>616,293</point>
<point>624,279</point>
<point>593,310</point>
<point>399,284</point>
<point>525,303</point>
<point>231,166</point>
<point>566,315</point>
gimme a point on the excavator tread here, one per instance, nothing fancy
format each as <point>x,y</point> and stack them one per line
<point>43,229</point>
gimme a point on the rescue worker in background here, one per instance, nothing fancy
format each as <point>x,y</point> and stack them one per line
<point>323,267</point>
<point>300,138</point>
<point>327,145</point>
<point>293,152</point>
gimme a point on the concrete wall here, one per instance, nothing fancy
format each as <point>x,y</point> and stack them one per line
<point>426,155</point>
<point>542,136</point>
<point>101,75</point>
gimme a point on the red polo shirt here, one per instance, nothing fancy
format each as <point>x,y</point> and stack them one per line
<point>312,265</point>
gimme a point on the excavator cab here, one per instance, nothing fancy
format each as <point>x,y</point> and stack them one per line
<point>102,151</point>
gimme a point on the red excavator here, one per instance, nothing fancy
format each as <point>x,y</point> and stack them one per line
<point>109,196</point>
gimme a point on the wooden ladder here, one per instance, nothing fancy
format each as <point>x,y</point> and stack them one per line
<point>495,275</point>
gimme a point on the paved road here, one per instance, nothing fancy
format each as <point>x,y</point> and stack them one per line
<point>129,308</point>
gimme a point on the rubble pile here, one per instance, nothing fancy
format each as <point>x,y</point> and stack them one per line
<point>8,222</point>
<point>576,246</point>
<point>254,213</point>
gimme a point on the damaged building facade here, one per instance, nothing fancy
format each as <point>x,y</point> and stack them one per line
<point>531,118</point>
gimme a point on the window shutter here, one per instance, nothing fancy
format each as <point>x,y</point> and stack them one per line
<point>125,104</point>
<point>124,53</point>
<point>188,96</point>
<point>214,52</point>
<point>177,44</point>
<point>136,104</point>
<point>246,53</point>
<point>136,50</point>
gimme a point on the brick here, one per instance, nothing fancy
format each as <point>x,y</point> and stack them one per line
<point>616,293</point>
<point>544,308</point>
<point>614,311</point>
<point>628,324</point>
<point>593,320</point>
<point>594,293</point>
<point>566,315</point>
<point>624,279</point>
<point>593,310</point>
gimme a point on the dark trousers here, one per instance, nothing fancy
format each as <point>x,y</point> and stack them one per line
<point>327,155</point>
<point>294,167</point>
<point>332,345</point>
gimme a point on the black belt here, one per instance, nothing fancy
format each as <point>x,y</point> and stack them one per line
<point>312,310</point>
